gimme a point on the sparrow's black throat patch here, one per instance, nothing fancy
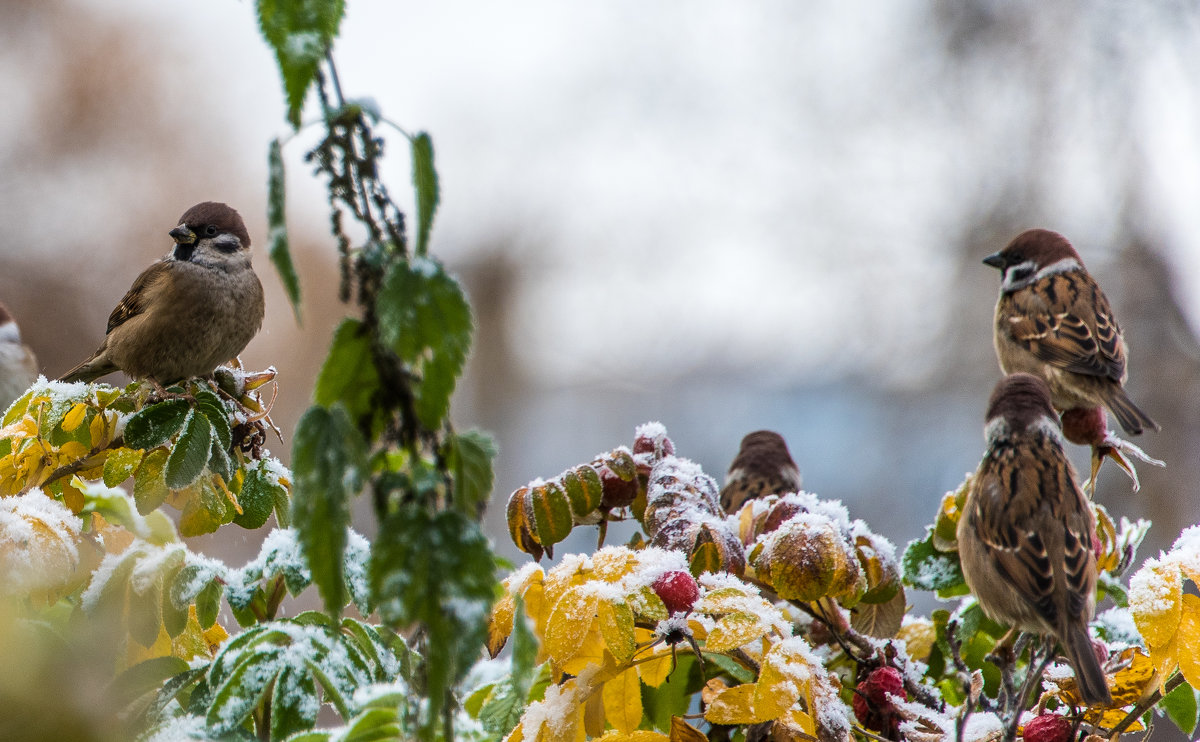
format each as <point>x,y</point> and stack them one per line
<point>184,251</point>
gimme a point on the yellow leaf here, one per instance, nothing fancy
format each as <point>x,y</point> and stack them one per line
<point>733,706</point>
<point>591,652</point>
<point>500,625</point>
<point>569,623</point>
<point>796,724</point>
<point>681,731</point>
<point>73,450</point>
<point>1189,636</point>
<point>98,430</point>
<point>613,562</point>
<point>74,417</point>
<point>616,626</point>
<point>593,715</point>
<point>638,735</point>
<point>777,690</point>
<point>655,672</point>
<point>1155,599</point>
<point>735,630</point>
<point>1130,684</point>
<point>623,701</point>
<point>516,735</point>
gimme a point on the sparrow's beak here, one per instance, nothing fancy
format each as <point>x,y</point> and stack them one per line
<point>183,235</point>
<point>995,260</point>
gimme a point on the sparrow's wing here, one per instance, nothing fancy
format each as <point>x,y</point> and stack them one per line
<point>1042,525</point>
<point>135,300</point>
<point>1065,320</point>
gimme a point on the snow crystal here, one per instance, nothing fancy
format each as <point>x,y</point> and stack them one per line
<point>1117,627</point>
<point>1057,672</point>
<point>654,430</point>
<point>38,538</point>
<point>272,468</point>
<point>560,704</point>
<point>676,624</point>
<point>150,566</point>
<point>1149,594</point>
<point>519,580</point>
<point>832,509</point>
<point>1186,550</point>
<point>181,728</point>
<point>883,547</point>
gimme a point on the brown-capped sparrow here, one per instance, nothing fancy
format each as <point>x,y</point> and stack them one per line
<point>18,366</point>
<point>193,310</point>
<point>763,466</point>
<point>1052,320</point>
<point>1025,536</point>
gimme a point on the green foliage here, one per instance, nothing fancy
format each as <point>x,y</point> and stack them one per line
<point>428,193</point>
<point>437,571</point>
<point>425,319</point>
<point>330,461</point>
<point>277,236</point>
<point>301,34</point>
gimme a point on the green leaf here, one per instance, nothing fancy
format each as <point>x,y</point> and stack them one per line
<point>154,425</point>
<point>211,406</point>
<point>736,670</point>
<point>424,317</point>
<point>149,487</point>
<point>470,461</point>
<point>257,499</point>
<point>437,570</point>
<point>300,33</point>
<point>144,678</point>
<point>218,461</point>
<point>926,568</point>
<point>330,458</point>
<point>425,180</point>
<point>551,514</point>
<point>208,604</point>
<point>294,703</point>
<point>190,453</point>
<point>120,464</point>
<point>1180,705</point>
<point>348,374</point>
<point>277,236</point>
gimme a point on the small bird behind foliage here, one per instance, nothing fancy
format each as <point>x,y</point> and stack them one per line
<point>18,366</point>
<point>196,308</point>
<point>763,466</point>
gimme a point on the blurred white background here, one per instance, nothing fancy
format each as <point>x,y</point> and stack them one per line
<point>722,216</point>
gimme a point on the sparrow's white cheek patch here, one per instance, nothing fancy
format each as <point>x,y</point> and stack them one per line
<point>10,333</point>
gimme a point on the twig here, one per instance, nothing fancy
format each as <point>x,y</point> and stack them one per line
<point>1145,705</point>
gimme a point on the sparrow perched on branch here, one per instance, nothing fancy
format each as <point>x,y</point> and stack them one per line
<point>1052,320</point>
<point>193,310</point>
<point>1025,536</point>
<point>763,466</point>
<point>18,366</point>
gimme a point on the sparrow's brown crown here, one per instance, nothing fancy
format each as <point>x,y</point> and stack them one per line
<point>763,449</point>
<point>222,217</point>
<point>1020,400</point>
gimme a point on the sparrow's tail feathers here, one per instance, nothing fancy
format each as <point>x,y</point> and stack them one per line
<point>1089,677</point>
<point>1131,417</point>
<point>89,370</point>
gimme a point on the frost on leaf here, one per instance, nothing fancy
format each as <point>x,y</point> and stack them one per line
<point>39,546</point>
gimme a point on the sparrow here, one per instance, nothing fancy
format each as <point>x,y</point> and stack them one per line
<point>18,366</point>
<point>196,308</point>
<point>763,466</point>
<point>1052,320</point>
<point>1026,533</point>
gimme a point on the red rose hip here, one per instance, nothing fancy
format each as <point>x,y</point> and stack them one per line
<point>678,591</point>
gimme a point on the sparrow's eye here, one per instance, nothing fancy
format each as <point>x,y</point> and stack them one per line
<point>210,231</point>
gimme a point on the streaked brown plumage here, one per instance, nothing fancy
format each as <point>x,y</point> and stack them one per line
<point>193,310</point>
<point>1025,537</point>
<point>763,466</point>
<point>1053,321</point>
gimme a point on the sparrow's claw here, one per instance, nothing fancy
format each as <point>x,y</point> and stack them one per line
<point>1119,450</point>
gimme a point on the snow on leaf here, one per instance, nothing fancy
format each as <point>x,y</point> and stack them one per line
<point>733,706</point>
<point>616,626</point>
<point>38,544</point>
<point>570,621</point>
<point>1155,599</point>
